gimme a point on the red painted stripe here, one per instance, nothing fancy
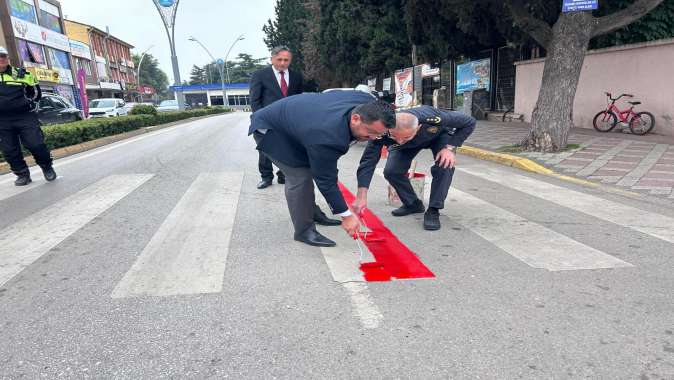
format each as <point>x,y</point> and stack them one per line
<point>394,259</point>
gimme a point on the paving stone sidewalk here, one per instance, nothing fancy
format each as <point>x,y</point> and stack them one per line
<point>643,164</point>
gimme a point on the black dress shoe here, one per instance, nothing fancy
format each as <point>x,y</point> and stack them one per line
<point>322,219</point>
<point>263,184</point>
<point>49,173</point>
<point>432,219</point>
<point>416,208</point>
<point>313,237</point>
<point>281,180</point>
<point>23,179</point>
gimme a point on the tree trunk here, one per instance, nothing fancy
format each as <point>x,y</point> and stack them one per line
<point>552,118</point>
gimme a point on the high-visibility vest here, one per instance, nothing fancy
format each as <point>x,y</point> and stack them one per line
<point>17,91</point>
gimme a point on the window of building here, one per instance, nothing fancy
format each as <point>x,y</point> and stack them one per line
<point>49,17</point>
<point>59,59</point>
<point>84,64</point>
<point>23,9</point>
<point>31,54</point>
<point>238,100</point>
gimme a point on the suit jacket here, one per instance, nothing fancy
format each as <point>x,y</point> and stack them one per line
<point>311,130</point>
<point>265,89</point>
<point>438,129</point>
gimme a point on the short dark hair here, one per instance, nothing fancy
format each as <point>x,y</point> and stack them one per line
<point>279,49</point>
<point>377,111</point>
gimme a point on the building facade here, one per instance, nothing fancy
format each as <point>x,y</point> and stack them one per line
<point>201,95</point>
<point>109,70</point>
<point>34,33</point>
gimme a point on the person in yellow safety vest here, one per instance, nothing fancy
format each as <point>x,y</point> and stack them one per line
<point>19,124</point>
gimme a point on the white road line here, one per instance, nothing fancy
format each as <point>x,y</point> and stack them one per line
<point>35,171</point>
<point>187,255</point>
<point>537,246</point>
<point>27,240</point>
<point>344,263</point>
<point>10,191</point>
<point>366,310</point>
<point>649,223</point>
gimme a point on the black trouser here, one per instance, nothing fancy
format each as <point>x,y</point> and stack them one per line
<point>264,164</point>
<point>299,192</point>
<point>395,172</point>
<point>23,129</point>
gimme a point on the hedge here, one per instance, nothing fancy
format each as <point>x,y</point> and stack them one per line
<point>62,135</point>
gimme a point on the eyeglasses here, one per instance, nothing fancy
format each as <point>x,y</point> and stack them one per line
<point>3,56</point>
<point>386,133</point>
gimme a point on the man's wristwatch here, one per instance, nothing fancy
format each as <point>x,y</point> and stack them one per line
<point>451,147</point>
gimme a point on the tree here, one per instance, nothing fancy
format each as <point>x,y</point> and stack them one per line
<point>151,75</point>
<point>289,28</point>
<point>197,75</point>
<point>566,40</point>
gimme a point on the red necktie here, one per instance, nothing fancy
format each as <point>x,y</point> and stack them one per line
<point>284,84</point>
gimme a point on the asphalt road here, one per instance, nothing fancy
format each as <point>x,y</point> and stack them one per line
<point>157,257</point>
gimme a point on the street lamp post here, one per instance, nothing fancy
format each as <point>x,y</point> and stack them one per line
<point>222,76</point>
<point>239,38</point>
<point>140,62</point>
<point>167,10</point>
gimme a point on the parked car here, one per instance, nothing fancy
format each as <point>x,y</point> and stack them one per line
<point>107,107</point>
<point>54,109</point>
<point>128,106</point>
<point>170,106</point>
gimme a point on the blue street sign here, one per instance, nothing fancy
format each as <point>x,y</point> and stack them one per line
<point>166,3</point>
<point>579,5</point>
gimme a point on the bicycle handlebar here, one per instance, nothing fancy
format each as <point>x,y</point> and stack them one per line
<point>613,100</point>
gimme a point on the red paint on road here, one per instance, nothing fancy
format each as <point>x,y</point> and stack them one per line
<point>394,259</point>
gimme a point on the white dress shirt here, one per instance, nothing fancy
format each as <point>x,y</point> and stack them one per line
<point>277,73</point>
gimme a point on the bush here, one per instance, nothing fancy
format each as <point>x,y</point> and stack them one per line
<point>143,109</point>
<point>62,135</point>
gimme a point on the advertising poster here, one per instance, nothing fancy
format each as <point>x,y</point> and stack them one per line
<point>386,86</point>
<point>82,85</point>
<point>404,87</point>
<point>472,75</point>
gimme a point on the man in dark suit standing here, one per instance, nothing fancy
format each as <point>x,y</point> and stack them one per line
<point>305,135</point>
<point>267,86</point>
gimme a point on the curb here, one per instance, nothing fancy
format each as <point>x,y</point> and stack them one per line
<point>93,144</point>
<point>505,159</point>
<point>533,167</point>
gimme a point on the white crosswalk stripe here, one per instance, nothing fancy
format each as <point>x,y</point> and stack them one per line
<point>530,242</point>
<point>10,191</point>
<point>27,240</point>
<point>649,223</point>
<point>537,246</point>
<point>187,255</point>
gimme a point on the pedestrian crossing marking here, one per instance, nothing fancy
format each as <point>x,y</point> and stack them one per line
<point>188,254</point>
<point>537,246</point>
<point>27,240</point>
<point>656,225</point>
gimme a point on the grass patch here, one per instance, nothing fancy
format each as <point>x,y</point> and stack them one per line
<point>511,149</point>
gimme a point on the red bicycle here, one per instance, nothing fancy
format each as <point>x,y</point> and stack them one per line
<point>639,123</point>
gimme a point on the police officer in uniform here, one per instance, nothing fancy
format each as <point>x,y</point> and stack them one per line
<point>418,128</point>
<point>19,94</point>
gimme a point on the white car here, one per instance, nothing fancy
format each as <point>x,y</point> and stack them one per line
<point>107,107</point>
<point>168,106</point>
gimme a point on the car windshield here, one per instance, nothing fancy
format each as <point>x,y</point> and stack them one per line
<point>167,103</point>
<point>102,103</point>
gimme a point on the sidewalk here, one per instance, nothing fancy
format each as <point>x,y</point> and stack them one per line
<point>643,164</point>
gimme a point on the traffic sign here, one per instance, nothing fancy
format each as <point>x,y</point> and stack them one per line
<point>579,5</point>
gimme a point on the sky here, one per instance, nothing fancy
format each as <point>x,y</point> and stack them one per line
<point>216,23</point>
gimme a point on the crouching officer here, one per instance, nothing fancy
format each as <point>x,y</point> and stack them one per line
<point>419,128</point>
<point>19,94</point>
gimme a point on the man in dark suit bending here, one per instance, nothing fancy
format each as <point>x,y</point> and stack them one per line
<point>305,135</point>
<point>267,86</point>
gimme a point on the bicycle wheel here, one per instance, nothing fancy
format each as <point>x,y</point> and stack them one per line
<point>604,121</point>
<point>642,123</point>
